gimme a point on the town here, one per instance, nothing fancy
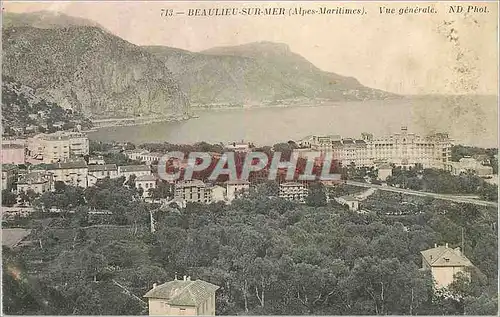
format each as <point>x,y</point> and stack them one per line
<point>64,182</point>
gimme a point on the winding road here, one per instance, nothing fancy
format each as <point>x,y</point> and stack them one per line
<point>458,199</point>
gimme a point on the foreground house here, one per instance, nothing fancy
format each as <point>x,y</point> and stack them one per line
<point>444,263</point>
<point>182,297</point>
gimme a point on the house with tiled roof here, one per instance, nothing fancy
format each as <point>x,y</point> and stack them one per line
<point>137,170</point>
<point>349,201</point>
<point>444,262</point>
<point>182,297</point>
<point>96,172</point>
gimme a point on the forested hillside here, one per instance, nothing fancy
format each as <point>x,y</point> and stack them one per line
<point>269,256</point>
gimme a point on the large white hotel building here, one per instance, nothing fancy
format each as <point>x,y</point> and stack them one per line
<point>402,149</point>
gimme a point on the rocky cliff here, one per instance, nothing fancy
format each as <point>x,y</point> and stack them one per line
<point>88,69</point>
<point>258,73</point>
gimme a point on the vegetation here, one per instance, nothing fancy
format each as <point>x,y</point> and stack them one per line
<point>24,113</point>
<point>269,256</point>
<point>486,155</point>
<point>443,182</point>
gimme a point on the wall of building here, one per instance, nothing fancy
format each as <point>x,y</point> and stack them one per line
<point>160,307</point>
<point>444,275</point>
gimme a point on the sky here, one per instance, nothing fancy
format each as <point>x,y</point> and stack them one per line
<point>405,54</point>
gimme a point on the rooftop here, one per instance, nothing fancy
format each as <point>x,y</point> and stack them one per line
<point>8,167</point>
<point>134,168</point>
<point>385,167</point>
<point>348,198</point>
<point>183,292</point>
<point>444,256</point>
<point>12,146</point>
<point>38,177</point>
<point>146,178</point>
<point>292,184</point>
<point>105,167</point>
<point>68,165</point>
<point>238,182</point>
<point>191,183</point>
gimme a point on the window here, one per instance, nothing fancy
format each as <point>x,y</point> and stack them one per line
<point>182,311</point>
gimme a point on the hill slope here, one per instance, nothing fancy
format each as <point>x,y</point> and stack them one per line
<point>44,20</point>
<point>90,70</point>
<point>257,73</point>
<point>23,111</point>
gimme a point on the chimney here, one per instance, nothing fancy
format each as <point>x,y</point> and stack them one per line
<point>446,244</point>
<point>185,277</point>
<point>154,285</point>
<point>435,245</point>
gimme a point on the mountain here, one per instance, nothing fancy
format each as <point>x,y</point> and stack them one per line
<point>257,73</point>
<point>23,111</point>
<point>44,20</point>
<point>86,68</point>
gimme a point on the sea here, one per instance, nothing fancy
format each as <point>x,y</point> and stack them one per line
<point>468,121</point>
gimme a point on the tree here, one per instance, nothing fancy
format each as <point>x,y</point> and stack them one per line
<point>317,195</point>
<point>8,198</point>
<point>59,186</point>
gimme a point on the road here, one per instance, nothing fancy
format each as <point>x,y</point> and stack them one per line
<point>458,199</point>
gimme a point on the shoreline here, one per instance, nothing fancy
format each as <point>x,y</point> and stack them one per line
<point>121,122</point>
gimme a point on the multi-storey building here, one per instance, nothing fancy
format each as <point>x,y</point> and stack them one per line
<point>293,191</point>
<point>238,147</point>
<point>96,172</point>
<point>233,188</point>
<point>58,146</point>
<point>9,174</point>
<point>37,181</point>
<point>71,173</point>
<point>193,191</point>
<point>402,149</point>
<point>146,182</point>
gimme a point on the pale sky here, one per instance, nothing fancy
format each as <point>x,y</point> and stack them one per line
<point>406,54</point>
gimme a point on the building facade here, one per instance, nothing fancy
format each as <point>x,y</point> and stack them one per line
<point>9,175</point>
<point>351,202</point>
<point>293,191</point>
<point>146,182</point>
<point>96,172</point>
<point>193,191</point>
<point>58,146</point>
<point>182,298</point>
<point>402,149</point>
<point>384,171</point>
<point>235,188</point>
<point>37,181</point>
<point>137,170</point>
<point>444,262</point>
<point>71,173</point>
